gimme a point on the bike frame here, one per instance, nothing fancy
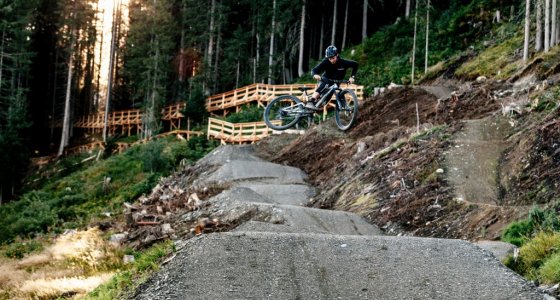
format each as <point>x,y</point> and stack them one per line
<point>332,89</point>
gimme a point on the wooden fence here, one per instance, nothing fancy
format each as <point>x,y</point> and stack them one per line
<point>260,93</point>
<point>127,121</point>
<point>120,146</point>
<point>237,133</point>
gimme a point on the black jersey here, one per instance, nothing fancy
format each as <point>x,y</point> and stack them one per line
<point>335,71</point>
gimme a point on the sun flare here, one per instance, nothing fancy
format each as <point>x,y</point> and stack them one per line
<point>107,9</point>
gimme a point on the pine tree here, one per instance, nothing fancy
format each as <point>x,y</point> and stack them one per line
<point>148,63</point>
<point>15,61</point>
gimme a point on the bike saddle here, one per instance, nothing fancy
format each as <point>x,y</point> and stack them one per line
<point>304,88</point>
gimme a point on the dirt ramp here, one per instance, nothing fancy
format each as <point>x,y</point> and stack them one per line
<point>473,161</point>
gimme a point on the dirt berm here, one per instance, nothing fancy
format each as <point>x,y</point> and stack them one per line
<point>279,249</point>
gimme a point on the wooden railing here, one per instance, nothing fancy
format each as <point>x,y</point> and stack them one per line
<point>237,133</point>
<point>128,120</point>
<point>120,146</point>
<point>260,93</point>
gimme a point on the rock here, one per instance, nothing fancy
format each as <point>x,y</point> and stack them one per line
<point>117,239</point>
<point>501,250</point>
<point>128,259</point>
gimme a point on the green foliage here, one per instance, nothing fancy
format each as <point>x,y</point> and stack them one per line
<point>125,281</point>
<point>150,42</point>
<point>519,232</point>
<point>550,270</point>
<point>196,109</point>
<point>534,253</point>
<point>73,200</point>
<point>249,113</point>
<point>497,61</point>
<point>152,159</point>
<point>15,50</point>
<point>539,239</point>
<point>20,249</point>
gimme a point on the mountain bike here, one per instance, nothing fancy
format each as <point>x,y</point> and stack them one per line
<point>286,111</point>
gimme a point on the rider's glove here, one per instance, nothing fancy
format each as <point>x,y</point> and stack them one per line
<point>317,77</point>
<point>351,80</point>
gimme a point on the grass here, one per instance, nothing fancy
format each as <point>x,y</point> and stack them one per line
<point>497,61</point>
<point>96,191</point>
<point>550,271</point>
<point>125,281</point>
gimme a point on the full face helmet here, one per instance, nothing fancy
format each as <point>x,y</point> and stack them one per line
<point>331,51</point>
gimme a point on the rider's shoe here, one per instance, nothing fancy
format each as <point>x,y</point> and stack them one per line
<point>310,105</point>
<point>343,104</point>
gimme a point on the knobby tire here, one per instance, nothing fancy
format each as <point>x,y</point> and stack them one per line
<point>286,108</point>
<point>346,116</point>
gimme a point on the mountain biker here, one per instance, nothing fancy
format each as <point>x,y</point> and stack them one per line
<point>333,67</point>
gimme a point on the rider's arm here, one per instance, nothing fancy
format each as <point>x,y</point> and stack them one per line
<point>354,65</point>
<point>320,68</point>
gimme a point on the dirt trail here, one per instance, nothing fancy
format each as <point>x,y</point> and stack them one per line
<point>473,161</point>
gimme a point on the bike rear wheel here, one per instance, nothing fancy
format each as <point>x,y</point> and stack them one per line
<point>346,109</point>
<point>283,112</point>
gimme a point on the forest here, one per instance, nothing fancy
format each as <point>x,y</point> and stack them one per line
<point>62,59</point>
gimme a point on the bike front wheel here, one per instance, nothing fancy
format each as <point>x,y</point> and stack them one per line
<point>346,109</point>
<point>283,112</point>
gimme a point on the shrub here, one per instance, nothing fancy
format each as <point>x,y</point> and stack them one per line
<point>152,159</point>
<point>249,113</point>
<point>20,249</point>
<point>536,251</point>
<point>518,233</point>
<point>550,270</point>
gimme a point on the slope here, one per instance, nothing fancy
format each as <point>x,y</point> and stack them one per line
<point>393,170</point>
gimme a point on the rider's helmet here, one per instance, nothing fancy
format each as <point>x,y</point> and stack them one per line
<point>331,51</point>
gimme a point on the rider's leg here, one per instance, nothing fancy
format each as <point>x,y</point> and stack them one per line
<point>317,94</point>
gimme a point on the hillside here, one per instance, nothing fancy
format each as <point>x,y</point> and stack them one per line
<point>469,152</point>
<point>398,178</point>
<point>391,169</point>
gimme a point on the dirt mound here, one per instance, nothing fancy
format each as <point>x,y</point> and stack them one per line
<point>531,166</point>
<point>383,170</point>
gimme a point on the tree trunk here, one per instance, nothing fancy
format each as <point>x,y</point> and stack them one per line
<point>271,52</point>
<point>321,37</point>
<point>257,55</point>
<point>217,59</point>
<point>547,26</point>
<point>345,26</point>
<point>211,32</point>
<point>237,75</point>
<point>527,28</point>
<point>364,20</point>
<point>65,136</point>
<point>539,21</point>
<point>110,74</point>
<point>333,36</point>
<point>427,36</point>
<point>2,62</point>
<point>182,46</point>
<point>407,9</point>
<point>414,44</point>
<point>301,40</point>
<point>553,40</point>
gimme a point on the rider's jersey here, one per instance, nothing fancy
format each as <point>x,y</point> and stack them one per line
<point>335,71</point>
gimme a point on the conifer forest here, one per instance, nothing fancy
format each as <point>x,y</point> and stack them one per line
<point>63,59</point>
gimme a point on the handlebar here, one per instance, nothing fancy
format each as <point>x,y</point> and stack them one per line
<point>329,81</point>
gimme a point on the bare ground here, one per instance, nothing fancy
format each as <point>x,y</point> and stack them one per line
<point>382,170</point>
